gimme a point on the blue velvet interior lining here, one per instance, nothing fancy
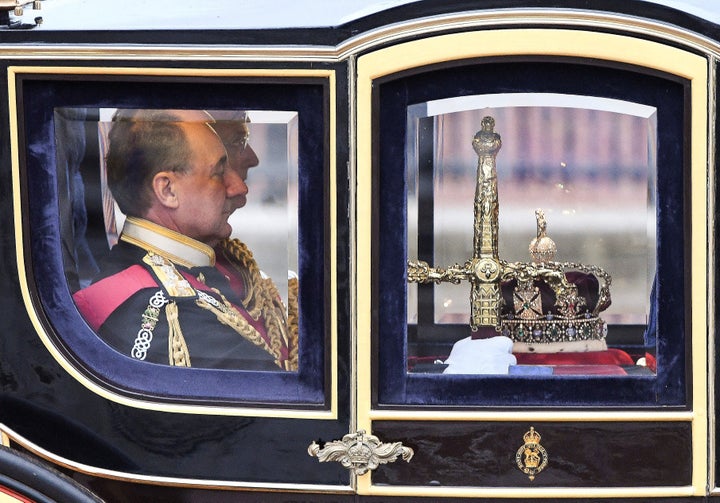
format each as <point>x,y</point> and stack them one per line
<point>393,95</point>
<point>44,189</point>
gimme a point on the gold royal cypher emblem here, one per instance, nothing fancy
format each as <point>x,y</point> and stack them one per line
<point>531,457</point>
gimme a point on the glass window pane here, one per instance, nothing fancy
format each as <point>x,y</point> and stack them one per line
<point>588,163</point>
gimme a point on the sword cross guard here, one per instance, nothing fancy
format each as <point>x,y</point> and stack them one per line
<point>484,270</point>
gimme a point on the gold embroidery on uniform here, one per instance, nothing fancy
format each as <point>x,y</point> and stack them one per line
<point>177,247</point>
<point>174,283</point>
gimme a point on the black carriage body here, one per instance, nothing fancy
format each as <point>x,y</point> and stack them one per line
<point>341,94</point>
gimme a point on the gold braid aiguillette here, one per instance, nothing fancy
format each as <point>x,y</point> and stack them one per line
<point>262,300</point>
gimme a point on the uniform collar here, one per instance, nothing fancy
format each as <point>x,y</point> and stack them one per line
<point>172,245</point>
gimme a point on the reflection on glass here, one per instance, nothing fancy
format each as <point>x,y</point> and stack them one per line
<point>216,239</point>
<point>589,163</point>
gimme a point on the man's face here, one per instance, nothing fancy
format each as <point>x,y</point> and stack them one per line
<point>241,157</point>
<point>208,192</point>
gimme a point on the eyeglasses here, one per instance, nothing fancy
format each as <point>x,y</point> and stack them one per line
<point>241,134</point>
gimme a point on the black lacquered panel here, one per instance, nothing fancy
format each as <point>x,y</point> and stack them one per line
<point>588,454</point>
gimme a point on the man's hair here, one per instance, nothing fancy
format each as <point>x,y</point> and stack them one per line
<point>142,143</point>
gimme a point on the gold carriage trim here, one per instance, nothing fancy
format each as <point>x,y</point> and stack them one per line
<point>360,452</point>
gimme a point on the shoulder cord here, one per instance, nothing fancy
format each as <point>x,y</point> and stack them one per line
<point>262,299</point>
<point>226,313</point>
<point>292,320</point>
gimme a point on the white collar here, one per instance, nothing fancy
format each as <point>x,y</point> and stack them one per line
<point>172,245</point>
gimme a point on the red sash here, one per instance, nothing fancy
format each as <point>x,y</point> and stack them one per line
<point>98,301</point>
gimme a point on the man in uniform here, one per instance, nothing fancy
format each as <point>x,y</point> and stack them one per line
<point>175,290</point>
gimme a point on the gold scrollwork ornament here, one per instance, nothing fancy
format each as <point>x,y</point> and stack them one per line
<point>360,452</point>
<point>531,457</point>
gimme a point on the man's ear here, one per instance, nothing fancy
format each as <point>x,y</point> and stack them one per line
<point>163,184</point>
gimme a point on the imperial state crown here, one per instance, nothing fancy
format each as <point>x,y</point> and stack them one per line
<point>541,305</point>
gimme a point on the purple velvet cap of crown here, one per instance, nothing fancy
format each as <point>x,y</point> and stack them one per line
<point>588,287</point>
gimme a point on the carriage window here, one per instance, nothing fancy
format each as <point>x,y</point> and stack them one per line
<point>564,203</point>
<point>175,241</point>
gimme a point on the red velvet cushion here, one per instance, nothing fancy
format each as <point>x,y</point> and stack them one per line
<point>590,363</point>
<point>609,357</point>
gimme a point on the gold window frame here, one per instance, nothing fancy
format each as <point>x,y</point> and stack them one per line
<point>555,43</point>
<point>70,72</point>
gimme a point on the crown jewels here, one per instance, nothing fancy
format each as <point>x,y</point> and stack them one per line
<point>538,302</point>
